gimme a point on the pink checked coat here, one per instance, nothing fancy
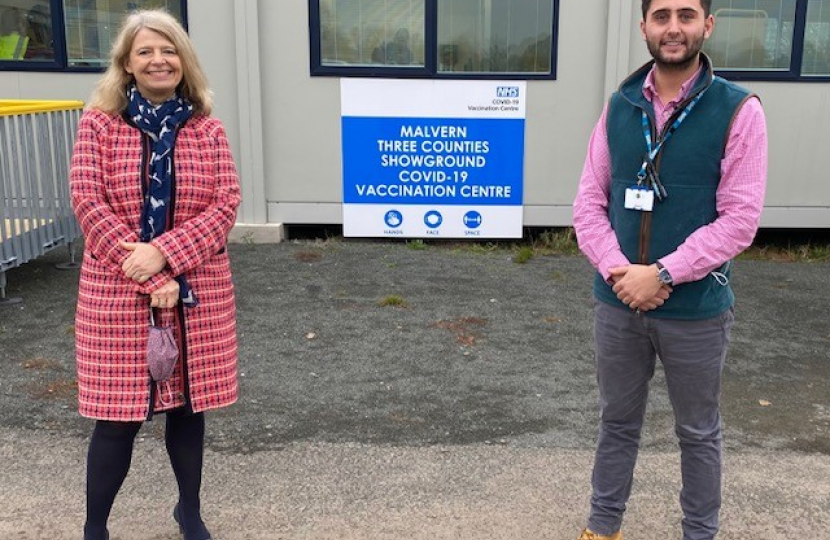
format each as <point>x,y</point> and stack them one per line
<point>112,318</point>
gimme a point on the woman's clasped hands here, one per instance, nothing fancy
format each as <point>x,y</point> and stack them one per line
<point>145,261</point>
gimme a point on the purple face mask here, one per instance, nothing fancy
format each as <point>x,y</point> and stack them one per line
<point>162,356</point>
<point>162,353</point>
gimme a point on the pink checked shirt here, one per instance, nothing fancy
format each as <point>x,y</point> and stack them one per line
<point>740,195</point>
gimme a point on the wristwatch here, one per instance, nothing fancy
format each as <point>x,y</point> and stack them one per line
<point>663,274</point>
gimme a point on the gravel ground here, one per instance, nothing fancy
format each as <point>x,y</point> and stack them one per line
<point>467,412</point>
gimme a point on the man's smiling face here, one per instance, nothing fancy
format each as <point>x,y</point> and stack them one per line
<point>674,31</point>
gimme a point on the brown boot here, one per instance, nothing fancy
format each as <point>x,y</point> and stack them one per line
<point>588,534</point>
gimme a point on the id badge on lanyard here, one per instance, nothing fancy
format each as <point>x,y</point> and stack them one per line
<point>639,198</point>
<point>648,189</point>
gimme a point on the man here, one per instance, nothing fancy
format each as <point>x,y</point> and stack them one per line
<point>661,221</point>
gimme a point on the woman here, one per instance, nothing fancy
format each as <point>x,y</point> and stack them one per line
<point>155,190</point>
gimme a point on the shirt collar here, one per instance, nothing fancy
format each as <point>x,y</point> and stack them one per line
<point>649,90</point>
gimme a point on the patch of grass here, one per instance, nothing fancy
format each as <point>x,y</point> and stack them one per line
<point>393,300</point>
<point>786,245</point>
<point>819,253</point>
<point>479,248</point>
<point>561,241</point>
<point>524,254</point>
<point>798,253</point>
<point>790,245</point>
<point>556,242</point>
<point>770,245</point>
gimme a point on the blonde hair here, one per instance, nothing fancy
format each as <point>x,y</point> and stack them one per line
<point>110,92</point>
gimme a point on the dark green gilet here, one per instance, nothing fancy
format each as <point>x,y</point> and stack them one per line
<point>689,168</point>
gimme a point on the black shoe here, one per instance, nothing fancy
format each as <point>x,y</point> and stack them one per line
<point>93,536</point>
<point>200,534</point>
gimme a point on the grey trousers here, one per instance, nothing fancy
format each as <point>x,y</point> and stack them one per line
<point>693,355</point>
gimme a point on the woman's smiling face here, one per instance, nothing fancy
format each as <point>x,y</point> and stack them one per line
<point>155,64</point>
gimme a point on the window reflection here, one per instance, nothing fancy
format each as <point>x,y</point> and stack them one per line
<point>817,39</point>
<point>25,31</point>
<point>495,36</point>
<point>372,32</point>
<point>91,25</point>
<point>752,34</point>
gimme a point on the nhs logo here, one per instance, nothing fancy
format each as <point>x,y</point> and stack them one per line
<point>507,91</point>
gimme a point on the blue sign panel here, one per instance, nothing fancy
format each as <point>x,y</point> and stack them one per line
<point>433,161</point>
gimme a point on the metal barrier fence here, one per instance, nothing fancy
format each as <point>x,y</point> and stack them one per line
<point>36,139</point>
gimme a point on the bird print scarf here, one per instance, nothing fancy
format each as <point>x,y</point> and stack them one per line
<point>160,123</point>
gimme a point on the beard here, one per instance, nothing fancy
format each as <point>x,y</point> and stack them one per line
<point>693,48</point>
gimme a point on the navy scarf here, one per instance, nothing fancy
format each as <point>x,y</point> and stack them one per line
<point>161,124</point>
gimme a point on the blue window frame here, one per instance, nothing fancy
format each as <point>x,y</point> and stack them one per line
<point>66,35</point>
<point>784,40</point>
<point>457,39</point>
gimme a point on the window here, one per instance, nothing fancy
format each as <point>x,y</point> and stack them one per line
<point>771,39</point>
<point>372,32</point>
<point>509,39</point>
<point>26,31</point>
<point>500,36</point>
<point>92,25</point>
<point>816,58</point>
<point>76,35</point>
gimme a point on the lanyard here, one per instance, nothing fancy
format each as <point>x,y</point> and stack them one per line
<point>652,152</point>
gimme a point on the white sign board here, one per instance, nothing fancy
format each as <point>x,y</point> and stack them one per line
<point>433,159</point>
